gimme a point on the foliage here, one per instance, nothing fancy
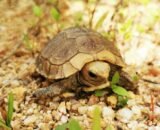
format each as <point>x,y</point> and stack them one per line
<point>74,124</point>
<point>125,29</point>
<point>109,127</point>
<point>100,21</point>
<point>99,93</point>
<point>7,123</point>
<point>96,119</point>
<point>121,92</point>
<point>71,125</point>
<point>55,14</point>
<point>122,101</point>
<point>117,89</point>
<point>37,11</point>
<point>28,44</point>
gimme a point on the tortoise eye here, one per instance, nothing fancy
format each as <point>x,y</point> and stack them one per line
<point>91,74</point>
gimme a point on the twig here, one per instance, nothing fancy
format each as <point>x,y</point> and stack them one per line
<point>152,116</point>
<point>11,53</point>
<point>116,9</point>
<point>149,81</point>
<point>92,14</point>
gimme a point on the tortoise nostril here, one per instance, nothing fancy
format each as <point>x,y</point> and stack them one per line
<point>91,74</point>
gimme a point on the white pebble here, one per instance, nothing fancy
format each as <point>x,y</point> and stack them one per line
<point>30,120</point>
<point>82,109</point>
<point>124,115</point>
<point>62,108</point>
<point>44,126</point>
<point>157,110</point>
<point>136,110</point>
<point>64,119</point>
<point>30,111</point>
<point>154,128</point>
<point>108,113</point>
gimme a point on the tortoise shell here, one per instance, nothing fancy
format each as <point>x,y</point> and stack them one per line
<point>71,49</point>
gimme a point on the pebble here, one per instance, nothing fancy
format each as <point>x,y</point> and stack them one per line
<point>157,111</point>
<point>30,119</point>
<point>82,109</point>
<point>19,93</point>
<point>124,115</point>
<point>56,115</point>
<point>108,113</point>
<point>112,100</point>
<point>93,100</point>
<point>62,108</point>
<point>44,126</point>
<point>137,111</point>
<point>64,119</point>
<point>47,117</point>
<point>15,83</point>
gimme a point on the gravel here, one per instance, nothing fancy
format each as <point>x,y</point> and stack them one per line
<point>16,75</point>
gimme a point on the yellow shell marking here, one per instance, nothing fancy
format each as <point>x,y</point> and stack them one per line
<point>80,60</point>
<point>106,56</point>
<point>68,69</point>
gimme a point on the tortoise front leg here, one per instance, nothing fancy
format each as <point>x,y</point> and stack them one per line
<point>50,91</point>
<point>58,87</point>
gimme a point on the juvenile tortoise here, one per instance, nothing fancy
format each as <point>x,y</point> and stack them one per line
<point>80,59</point>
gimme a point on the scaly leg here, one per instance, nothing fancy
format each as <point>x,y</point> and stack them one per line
<point>58,87</point>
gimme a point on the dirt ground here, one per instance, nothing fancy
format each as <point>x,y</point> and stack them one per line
<point>134,27</point>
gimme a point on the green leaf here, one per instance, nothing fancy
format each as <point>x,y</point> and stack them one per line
<point>10,110</point>
<point>55,14</point>
<point>135,78</point>
<point>110,127</point>
<point>2,124</point>
<point>99,93</point>
<point>37,11</point>
<point>115,78</point>
<point>96,121</point>
<point>122,101</point>
<point>119,90</point>
<point>27,42</point>
<point>62,127</point>
<point>145,2</point>
<point>74,125</point>
<point>126,26</point>
<point>100,21</point>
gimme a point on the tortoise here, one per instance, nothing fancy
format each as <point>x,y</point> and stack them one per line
<point>80,59</point>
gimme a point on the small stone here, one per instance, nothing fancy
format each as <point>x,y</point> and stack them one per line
<point>64,119</point>
<point>131,94</point>
<point>124,115</point>
<point>68,105</point>
<point>157,111</point>
<point>137,111</point>
<point>30,111</point>
<point>30,119</point>
<point>112,100</point>
<point>57,115</point>
<point>93,100</point>
<point>15,83</point>
<point>44,126</point>
<point>47,117</point>
<point>19,93</point>
<point>82,109</point>
<point>108,113</point>
<point>62,108</point>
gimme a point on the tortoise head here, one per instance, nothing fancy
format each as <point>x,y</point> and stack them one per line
<point>95,73</point>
